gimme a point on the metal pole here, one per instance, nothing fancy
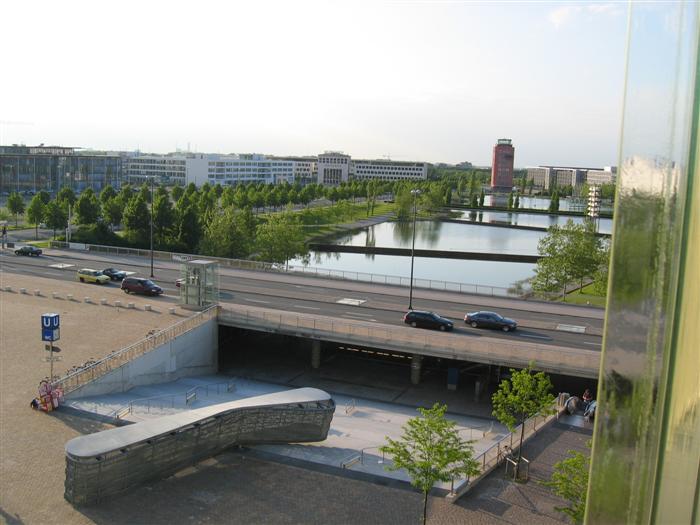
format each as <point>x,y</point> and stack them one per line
<point>413,248</point>
<point>51,361</point>
<point>151,226</point>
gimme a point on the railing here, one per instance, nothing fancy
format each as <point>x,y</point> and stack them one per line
<point>492,457</point>
<point>549,358</point>
<point>76,379</point>
<point>374,278</point>
<point>169,400</point>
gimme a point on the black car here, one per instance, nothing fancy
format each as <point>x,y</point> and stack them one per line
<point>29,250</point>
<point>490,320</point>
<point>420,319</point>
<point>114,274</point>
<point>142,286</point>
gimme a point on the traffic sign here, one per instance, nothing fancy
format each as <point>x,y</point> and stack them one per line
<point>51,348</point>
<point>50,324</point>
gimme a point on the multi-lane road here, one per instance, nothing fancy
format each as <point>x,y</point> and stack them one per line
<point>543,323</point>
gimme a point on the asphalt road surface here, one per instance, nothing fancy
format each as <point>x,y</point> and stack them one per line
<point>317,296</point>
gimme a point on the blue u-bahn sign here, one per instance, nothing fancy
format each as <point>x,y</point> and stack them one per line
<point>50,327</point>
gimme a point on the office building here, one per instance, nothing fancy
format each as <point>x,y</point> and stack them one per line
<point>333,168</point>
<point>230,170</point>
<point>29,169</point>
<point>550,177</point>
<point>502,165</point>
<point>388,170</point>
<point>168,170</point>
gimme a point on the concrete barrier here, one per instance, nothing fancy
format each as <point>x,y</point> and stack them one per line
<point>8,288</point>
<point>171,310</point>
<point>130,305</point>
<point>37,293</point>
<point>147,307</point>
<point>87,300</point>
<point>103,301</point>
<point>54,295</point>
<point>117,304</point>
<point>23,290</point>
<point>69,297</point>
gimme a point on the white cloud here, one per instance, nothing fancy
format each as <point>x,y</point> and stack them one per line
<point>566,13</point>
<point>562,15</point>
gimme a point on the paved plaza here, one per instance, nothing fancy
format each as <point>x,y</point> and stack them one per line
<point>239,486</point>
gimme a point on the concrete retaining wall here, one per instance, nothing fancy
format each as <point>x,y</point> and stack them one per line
<point>190,354</point>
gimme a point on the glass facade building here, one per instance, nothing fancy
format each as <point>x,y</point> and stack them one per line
<point>29,169</point>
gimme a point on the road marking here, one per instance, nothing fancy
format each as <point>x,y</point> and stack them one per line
<point>534,336</point>
<point>61,266</point>
<point>351,302</point>
<point>255,300</point>
<point>307,307</point>
<point>571,328</point>
<point>360,319</point>
<point>593,344</point>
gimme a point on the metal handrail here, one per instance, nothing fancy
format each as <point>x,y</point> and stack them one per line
<point>75,380</point>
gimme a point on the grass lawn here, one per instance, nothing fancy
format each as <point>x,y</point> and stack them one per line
<point>585,296</point>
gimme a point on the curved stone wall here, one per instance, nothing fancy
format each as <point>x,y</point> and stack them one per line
<point>107,463</point>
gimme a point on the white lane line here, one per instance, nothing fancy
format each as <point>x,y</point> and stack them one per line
<point>359,319</point>
<point>306,307</point>
<point>255,300</point>
<point>571,328</point>
<point>534,336</point>
<point>592,344</point>
<point>350,301</point>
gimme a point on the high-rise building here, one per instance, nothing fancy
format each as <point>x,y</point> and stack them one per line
<point>502,166</point>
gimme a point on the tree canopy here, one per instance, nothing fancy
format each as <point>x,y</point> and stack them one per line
<point>431,451</point>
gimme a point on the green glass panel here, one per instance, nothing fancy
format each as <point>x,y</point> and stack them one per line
<point>644,465</point>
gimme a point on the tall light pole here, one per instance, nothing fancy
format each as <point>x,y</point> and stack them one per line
<point>415,194</point>
<point>151,177</point>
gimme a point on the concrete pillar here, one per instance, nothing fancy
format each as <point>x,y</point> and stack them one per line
<point>416,363</point>
<point>452,378</point>
<point>478,386</point>
<point>315,354</point>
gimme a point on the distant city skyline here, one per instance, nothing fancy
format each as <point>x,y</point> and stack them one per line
<point>422,81</point>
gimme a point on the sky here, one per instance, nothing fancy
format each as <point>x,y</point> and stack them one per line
<point>435,81</point>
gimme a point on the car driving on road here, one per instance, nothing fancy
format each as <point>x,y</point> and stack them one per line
<point>140,285</point>
<point>421,319</point>
<point>88,275</point>
<point>490,320</point>
<point>29,250</point>
<point>114,274</point>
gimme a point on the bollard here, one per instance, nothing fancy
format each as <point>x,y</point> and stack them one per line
<point>130,305</point>
<point>22,290</point>
<point>8,288</point>
<point>54,295</point>
<point>117,304</point>
<point>87,299</point>
<point>147,307</point>
<point>37,292</point>
<point>69,297</point>
<point>171,310</point>
<point>103,301</point>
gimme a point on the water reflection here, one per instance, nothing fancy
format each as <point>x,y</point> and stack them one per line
<point>536,220</point>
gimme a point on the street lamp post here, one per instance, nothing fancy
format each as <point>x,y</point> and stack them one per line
<point>151,226</point>
<point>415,194</point>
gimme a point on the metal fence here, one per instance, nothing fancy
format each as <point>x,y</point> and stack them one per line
<point>504,352</point>
<point>116,359</point>
<point>374,278</point>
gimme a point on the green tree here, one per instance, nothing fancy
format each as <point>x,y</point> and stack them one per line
<point>188,226</point>
<point>510,200</point>
<point>600,276</point>
<point>554,201</point>
<point>163,217</point>
<point>472,183</point>
<point>45,197</point>
<point>482,196</point>
<point>404,204</point>
<point>137,220</point>
<point>35,213</point>
<point>66,197</point>
<point>107,193</point>
<point>523,396</point>
<point>230,233</point>
<point>177,192</point>
<point>87,208</point>
<point>431,451</point>
<point>569,481</point>
<point>530,186</point>
<point>280,238</point>
<point>516,201</point>
<point>555,268</point>
<point>15,205</point>
<point>113,211</point>
<point>55,217</point>
<point>126,193</point>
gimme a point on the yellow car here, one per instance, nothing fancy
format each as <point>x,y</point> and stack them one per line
<point>87,275</point>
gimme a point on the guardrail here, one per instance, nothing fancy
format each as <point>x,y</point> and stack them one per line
<point>76,379</point>
<point>505,352</point>
<point>365,277</point>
